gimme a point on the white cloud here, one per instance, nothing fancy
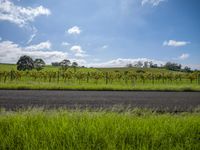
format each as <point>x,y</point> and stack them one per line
<point>41,46</point>
<point>105,46</point>
<point>81,62</point>
<point>0,38</point>
<point>20,15</point>
<point>33,35</point>
<point>193,66</point>
<point>10,53</point>
<point>77,49</point>
<point>152,2</point>
<point>31,38</point>
<point>175,43</point>
<point>80,55</point>
<point>65,44</point>
<point>184,56</point>
<point>120,62</point>
<point>74,30</point>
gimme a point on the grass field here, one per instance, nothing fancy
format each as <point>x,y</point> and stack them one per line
<point>8,67</point>
<point>48,79</point>
<point>109,130</point>
<point>101,87</point>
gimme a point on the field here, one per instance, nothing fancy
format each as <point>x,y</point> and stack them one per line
<point>98,79</point>
<point>90,128</point>
<point>101,129</point>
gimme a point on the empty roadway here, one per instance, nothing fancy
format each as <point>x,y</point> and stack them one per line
<point>176,101</point>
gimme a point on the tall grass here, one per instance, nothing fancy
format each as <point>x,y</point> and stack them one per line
<point>85,86</point>
<point>62,129</point>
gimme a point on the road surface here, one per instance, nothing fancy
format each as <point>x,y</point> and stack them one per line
<point>173,101</point>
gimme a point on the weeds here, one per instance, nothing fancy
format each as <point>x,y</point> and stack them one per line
<point>64,129</point>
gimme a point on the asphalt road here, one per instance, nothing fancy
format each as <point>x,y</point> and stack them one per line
<point>173,101</point>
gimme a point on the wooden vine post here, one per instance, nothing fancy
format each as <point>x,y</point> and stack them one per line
<point>106,77</point>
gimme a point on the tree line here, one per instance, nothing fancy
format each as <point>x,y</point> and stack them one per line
<point>169,66</point>
<point>27,63</point>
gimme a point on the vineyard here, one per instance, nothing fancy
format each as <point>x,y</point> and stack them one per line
<point>83,77</point>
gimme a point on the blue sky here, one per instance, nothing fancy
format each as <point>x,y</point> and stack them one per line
<point>100,32</point>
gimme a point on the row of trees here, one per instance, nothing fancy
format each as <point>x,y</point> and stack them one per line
<point>140,64</point>
<point>27,63</point>
<point>169,66</point>
<point>177,67</point>
<point>65,64</point>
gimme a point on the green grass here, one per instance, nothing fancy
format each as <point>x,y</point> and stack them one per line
<point>85,130</point>
<point>9,67</point>
<point>134,69</point>
<point>115,87</point>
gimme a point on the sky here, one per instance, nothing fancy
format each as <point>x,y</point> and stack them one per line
<point>101,33</point>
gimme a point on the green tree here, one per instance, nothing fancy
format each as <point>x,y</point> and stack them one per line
<point>25,63</point>
<point>187,69</point>
<point>146,64</point>
<point>65,64</point>
<point>74,65</point>
<point>39,64</point>
<point>173,66</point>
<point>129,65</point>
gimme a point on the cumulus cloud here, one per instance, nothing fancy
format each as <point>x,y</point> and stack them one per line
<point>184,56</point>
<point>120,62</point>
<point>78,51</point>
<point>10,53</point>
<point>175,43</point>
<point>20,15</point>
<point>74,30</point>
<point>193,66</point>
<point>152,2</point>
<point>41,46</point>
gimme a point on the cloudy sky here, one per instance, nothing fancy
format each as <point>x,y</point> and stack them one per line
<point>106,33</point>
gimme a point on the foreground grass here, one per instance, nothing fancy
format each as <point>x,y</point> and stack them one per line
<point>62,129</point>
<point>111,87</point>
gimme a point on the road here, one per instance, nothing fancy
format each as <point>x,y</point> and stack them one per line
<point>173,101</point>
